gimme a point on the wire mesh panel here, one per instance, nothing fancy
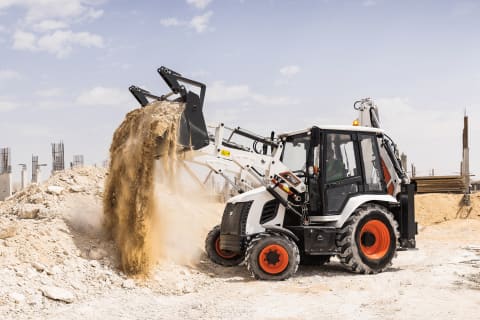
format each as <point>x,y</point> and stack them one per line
<point>58,157</point>
<point>5,162</point>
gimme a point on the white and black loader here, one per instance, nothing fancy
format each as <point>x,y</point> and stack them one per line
<point>301,197</point>
<point>336,191</point>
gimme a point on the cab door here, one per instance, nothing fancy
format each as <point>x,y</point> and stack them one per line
<point>342,173</point>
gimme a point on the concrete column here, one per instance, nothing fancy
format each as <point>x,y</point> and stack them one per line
<point>403,159</point>
<point>23,177</point>
<point>5,185</point>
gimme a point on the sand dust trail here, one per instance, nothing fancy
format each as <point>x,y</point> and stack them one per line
<point>129,200</point>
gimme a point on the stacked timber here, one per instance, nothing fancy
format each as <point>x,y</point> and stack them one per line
<point>440,184</point>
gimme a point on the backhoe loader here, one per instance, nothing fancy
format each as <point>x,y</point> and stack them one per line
<point>302,196</point>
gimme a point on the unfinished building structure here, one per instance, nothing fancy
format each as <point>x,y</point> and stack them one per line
<point>36,169</point>
<point>5,174</point>
<point>58,157</point>
<point>77,161</point>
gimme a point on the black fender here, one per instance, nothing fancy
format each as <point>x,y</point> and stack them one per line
<point>281,230</point>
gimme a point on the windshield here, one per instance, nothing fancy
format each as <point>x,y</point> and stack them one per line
<point>295,153</point>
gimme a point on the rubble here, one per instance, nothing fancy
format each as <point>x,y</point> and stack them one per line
<point>38,266</point>
<point>55,190</point>
<point>8,231</point>
<point>56,293</point>
<point>60,253</point>
<point>47,199</point>
<point>29,211</point>
<point>17,297</point>
<point>128,284</point>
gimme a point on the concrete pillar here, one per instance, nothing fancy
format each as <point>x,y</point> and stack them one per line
<point>23,176</point>
<point>5,185</point>
<point>403,159</point>
<point>5,174</point>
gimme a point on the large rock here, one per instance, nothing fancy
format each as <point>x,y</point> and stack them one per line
<point>17,297</point>
<point>29,211</point>
<point>55,190</point>
<point>77,188</point>
<point>8,231</point>
<point>36,198</point>
<point>82,180</point>
<point>38,266</point>
<point>59,294</point>
<point>128,284</point>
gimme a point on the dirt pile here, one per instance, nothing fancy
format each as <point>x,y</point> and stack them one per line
<point>129,201</point>
<point>60,254</point>
<point>51,250</point>
<point>46,199</point>
<point>439,207</point>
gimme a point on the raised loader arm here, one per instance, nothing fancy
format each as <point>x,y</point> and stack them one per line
<point>193,130</point>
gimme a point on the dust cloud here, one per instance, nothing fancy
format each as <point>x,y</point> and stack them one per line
<point>186,212</point>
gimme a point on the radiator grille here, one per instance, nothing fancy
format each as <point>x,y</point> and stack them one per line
<point>269,211</point>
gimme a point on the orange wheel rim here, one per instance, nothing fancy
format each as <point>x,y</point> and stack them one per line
<point>273,259</point>
<point>374,239</point>
<point>225,254</point>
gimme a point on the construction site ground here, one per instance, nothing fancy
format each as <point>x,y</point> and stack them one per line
<point>55,263</point>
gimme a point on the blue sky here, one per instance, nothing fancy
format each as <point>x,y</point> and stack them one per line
<point>66,66</point>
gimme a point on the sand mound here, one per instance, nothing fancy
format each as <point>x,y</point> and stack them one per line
<point>439,207</point>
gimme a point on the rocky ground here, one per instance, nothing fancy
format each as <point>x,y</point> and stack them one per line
<point>55,263</point>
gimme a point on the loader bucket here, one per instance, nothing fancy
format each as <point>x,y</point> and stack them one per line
<point>192,132</point>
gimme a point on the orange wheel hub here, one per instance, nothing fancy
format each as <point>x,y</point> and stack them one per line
<point>273,259</point>
<point>225,254</point>
<point>374,239</point>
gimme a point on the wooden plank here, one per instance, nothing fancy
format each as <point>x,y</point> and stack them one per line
<point>440,184</point>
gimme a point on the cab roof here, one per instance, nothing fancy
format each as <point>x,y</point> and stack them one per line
<point>334,128</point>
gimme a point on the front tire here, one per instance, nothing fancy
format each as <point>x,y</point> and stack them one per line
<point>272,257</point>
<point>368,240</point>
<point>217,255</point>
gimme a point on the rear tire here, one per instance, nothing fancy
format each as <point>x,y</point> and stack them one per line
<point>272,257</point>
<point>217,255</point>
<point>368,240</point>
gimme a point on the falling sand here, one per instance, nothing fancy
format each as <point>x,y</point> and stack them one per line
<point>129,201</point>
<point>149,210</point>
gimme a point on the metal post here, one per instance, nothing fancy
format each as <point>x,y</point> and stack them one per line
<point>466,160</point>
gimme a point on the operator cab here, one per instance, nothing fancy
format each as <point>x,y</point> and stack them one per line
<point>335,163</point>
